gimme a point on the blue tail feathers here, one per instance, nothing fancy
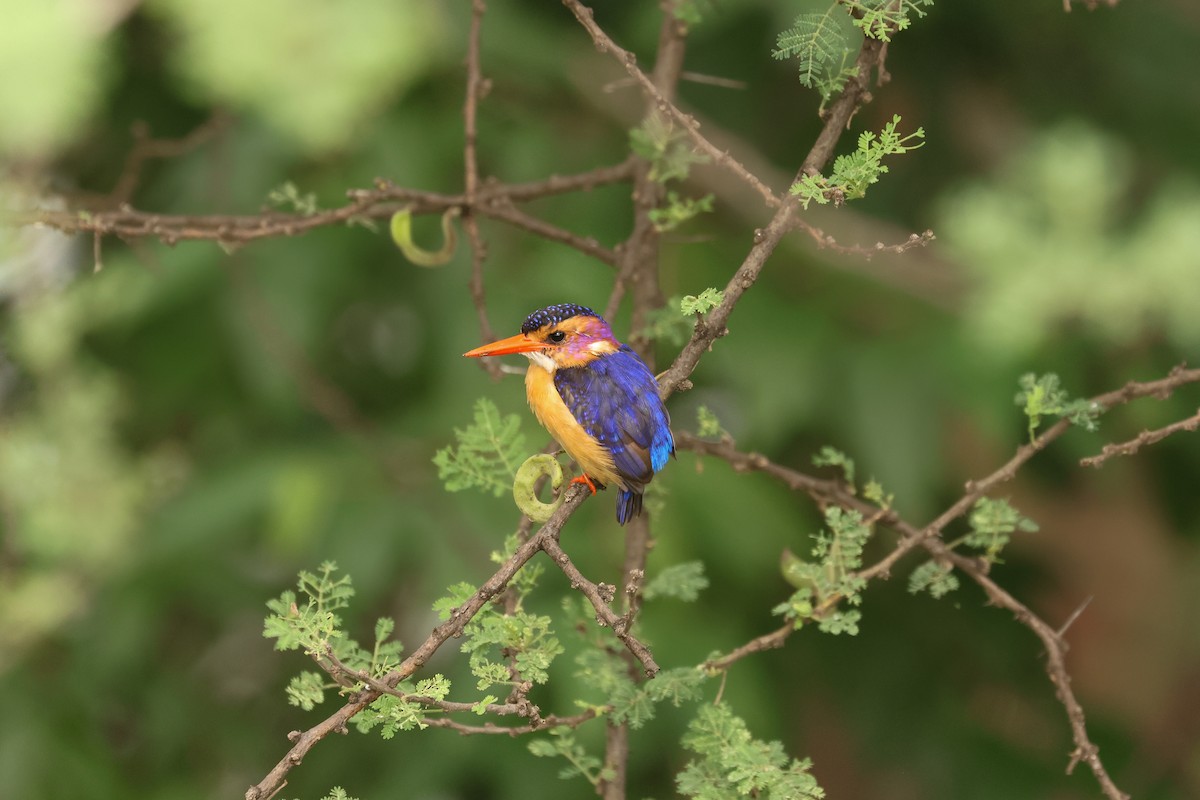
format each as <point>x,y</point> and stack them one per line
<point>629,505</point>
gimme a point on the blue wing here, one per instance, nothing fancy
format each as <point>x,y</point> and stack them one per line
<point>615,399</point>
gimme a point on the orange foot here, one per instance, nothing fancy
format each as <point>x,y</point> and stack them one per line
<point>584,479</point>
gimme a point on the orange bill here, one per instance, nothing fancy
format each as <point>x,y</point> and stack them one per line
<point>513,344</point>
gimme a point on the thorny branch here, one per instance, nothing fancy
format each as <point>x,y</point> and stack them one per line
<point>1143,438</point>
<point>825,492</point>
<point>713,325</point>
<point>493,200</point>
<point>476,87</point>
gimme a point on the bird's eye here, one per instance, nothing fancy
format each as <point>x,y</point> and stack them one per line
<point>556,336</point>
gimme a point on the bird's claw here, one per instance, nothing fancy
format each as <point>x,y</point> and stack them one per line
<point>586,481</point>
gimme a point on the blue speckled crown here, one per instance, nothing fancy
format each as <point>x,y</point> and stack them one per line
<point>551,315</point>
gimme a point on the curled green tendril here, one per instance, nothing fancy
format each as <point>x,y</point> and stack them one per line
<point>401,228</point>
<point>524,487</point>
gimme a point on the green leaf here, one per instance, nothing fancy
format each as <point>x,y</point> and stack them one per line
<point>992,523</point>
<point>561,742</point>
<point>937,579</point>
<point>436,687</point>
<point>306,690</point>
<point>731,763</point>
<point>668,149</point>
<point>527,576</point>
<point>666,324</point>
<point>488,452</point>
<point>707,424</point>
<point>874,492</point>
<point>542,748</point>
<point>702,303</point>
<point>832,457</point>
<point>338,793</point>
<point>830,580</point>
<point>480,708</point>
<point>681,581</point>
<point>879,19</point>
<point>1043,395</point>
<point>602,671</point>
<point>678,686</point>
<point>839,622</point>
<point>854,172</point>
<point>490,673</point>
<point>527,638</point>
<point>391,715</point>
<point>632,705</point>
<point>459,593</point>
<point>817,41</point>
<point>678,211</point>
<point>288,198</point>
<point>308,623</point>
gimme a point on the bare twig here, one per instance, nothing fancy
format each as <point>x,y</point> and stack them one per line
<point>1143,438</point>
<point>1056,668</point>
<point>146,148</point>
<point>604,42</point>
<point>546,723</point>
<point>825,241</point>
<point>378,203</point>
<point>475,88</point>
<point>506,212</point>
<point>768,641</point>
<point>604,613</point>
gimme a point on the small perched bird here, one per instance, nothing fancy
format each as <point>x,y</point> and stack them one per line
<point>596,397</point>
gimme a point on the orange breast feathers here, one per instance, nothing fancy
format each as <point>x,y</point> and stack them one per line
<point>556,418</point>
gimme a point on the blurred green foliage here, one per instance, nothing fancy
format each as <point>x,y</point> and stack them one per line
<point>168,459</point>
<point>1051,240</point>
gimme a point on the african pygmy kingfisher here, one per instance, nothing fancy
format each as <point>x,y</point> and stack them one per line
<point>596,397</point>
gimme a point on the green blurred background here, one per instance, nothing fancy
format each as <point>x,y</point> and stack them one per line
<point>165,468</point>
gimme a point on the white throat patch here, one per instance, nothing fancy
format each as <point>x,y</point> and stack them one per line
<point>542,360</point>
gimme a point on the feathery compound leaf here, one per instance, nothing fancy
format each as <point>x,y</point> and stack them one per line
<point>679,210</point>
<point>562,743</point>
<point>854,172</point>
<point>683,581</point>
<point>831,580</point>
<point>879,19</point>
<point>701,303</point>
<point>832,457</point>
<point>667,148</point>
<point>306,690</point>
<point>934,578</point>
<point>707,424</point>
<point>732,763</point>
<point>338,793</point>
<point>635,703</point>
<point>817,41</point>
<point>992,522</point>
<point>1043,395</point>
<point>310,623</point>
<point>488,453</point>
